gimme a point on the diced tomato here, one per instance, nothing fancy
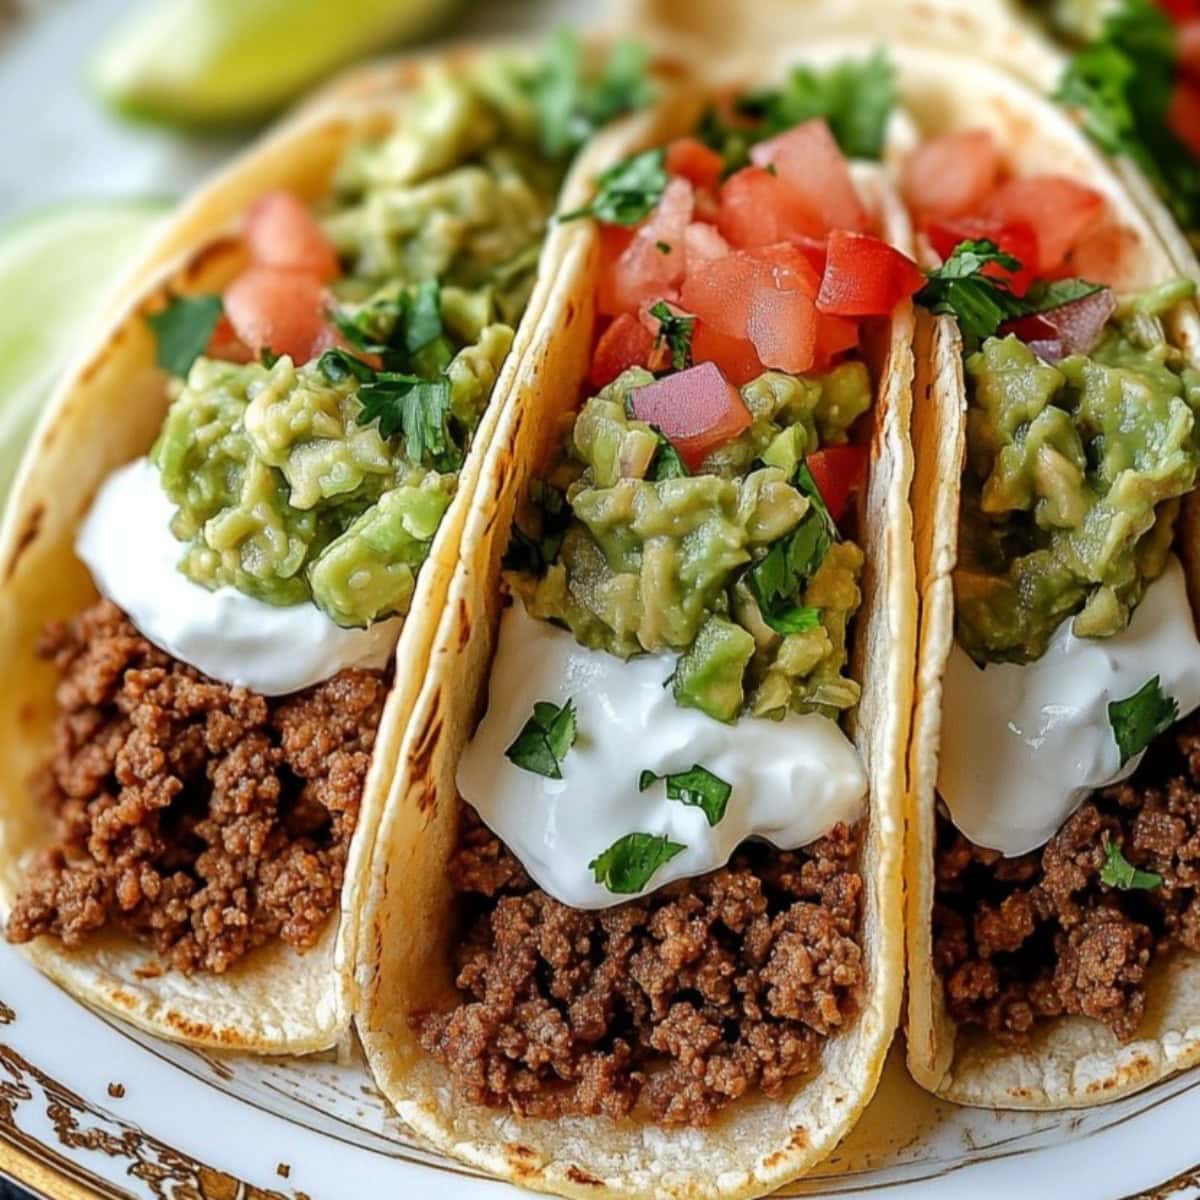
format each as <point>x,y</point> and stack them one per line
<point>1183,116</point>
<point>1013,237</point>
<point>838,472</point>
<point>719,293</point>
<point>1180,10</point>
<point>281,232</point>
<point>702,243</point>
<point>691,158</point>
<point>280,311</point>
<point>835,335</point>
<point>788,269</point>
<point>1060,209</point>
<point>708,206</point>
<point>625,343</point>
<point>782,325</point>
<point>812,165</point>
<point>1187,48</point>
<point>953,174</point>
<point>1109,254</point>
<point>226,345</point>
<point>614,241</point>
<point>758,208</point>
<point>737,358</point>
<point>697,410</point>
<point>814,251</point>
<point>653,262</point>
<point>865,277</point>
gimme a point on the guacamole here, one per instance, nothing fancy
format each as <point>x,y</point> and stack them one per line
<point>1072,484</point>
<point>634,556</point>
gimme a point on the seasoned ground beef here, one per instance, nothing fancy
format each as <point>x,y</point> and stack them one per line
<point>1018,940</point>
<point>684,1000</point>
<point>203,818</point>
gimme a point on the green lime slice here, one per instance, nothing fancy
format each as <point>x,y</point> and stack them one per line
<point>219,62</point>
<point>55,268</point>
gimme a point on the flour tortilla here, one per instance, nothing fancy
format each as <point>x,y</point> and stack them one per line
<point>409,916</point>
<point>1071,1061</point>
<point>107,411</point>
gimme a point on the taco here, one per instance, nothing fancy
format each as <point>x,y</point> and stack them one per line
<point>1053,810</point>
<point>634,924</point>
<point>243,506</point>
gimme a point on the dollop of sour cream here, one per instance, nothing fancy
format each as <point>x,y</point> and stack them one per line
<point>792,780</point>
<point>1023,745</point>
<point>126,542</point>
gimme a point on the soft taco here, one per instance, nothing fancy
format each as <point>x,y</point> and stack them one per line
<point>1052,940</point>
<point>227,551</point>
<point>634,924</point>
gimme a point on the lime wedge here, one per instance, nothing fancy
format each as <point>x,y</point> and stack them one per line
<point>219,62</point>
<point>55,270</point>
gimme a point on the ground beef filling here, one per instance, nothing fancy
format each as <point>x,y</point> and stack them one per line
<point>684,1000</point>
<point>203,818</point>
<point>1020,940</point>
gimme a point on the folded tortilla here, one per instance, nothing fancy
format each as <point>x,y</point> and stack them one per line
<point>107,411</point>
<point>408,915</point>
<point>1070,1061</point>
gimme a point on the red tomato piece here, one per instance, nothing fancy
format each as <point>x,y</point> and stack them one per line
<point>835,335</point>
<point>737,358</point>
<point>1109,254</point>
<point>653,262</point>
<point>838,472</point>
<point>696,162</point>
<point>697,410</point>
<point>812,165</point>
<point>787,268</point>
<point>280,311</point>
<point>614,241</point>
<point>281,232</point>
<point>865,277</point>
<point>783,329</point>
<point>1183,116</point>
<point>1013,237</point>
<point>719,293</point>
<point>1180,10</point>
<point>1187,48</point>
<point>625,343</point>
<point>226,345</point>
<point>814,250</point>
<point>952,174</point>
<point>1058,208</point>
<point>702,243</point>
<point>757,208</point>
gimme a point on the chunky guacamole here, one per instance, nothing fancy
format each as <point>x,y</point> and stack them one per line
<point>1072,483</point>
<point>634,555</point>
<point>326,480</point>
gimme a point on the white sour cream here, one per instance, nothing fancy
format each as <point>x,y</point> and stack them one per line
<point>127,544</point>
<point>1022,746</point>
<point>793,780</point>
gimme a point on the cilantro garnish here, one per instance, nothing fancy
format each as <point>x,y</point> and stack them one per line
<point>1138,719</point>
<point>183,330</point>
<point>628,864</point>
<point>982,303</point>
<point>1118,872</point>
<point>675,329</point>
<point>268,357</point>
<point>627,191</point>
<point>697,787</point>
<point>777,578</point>
<point>571,106</point>
<point>394,327</point>
<point>666,463</point>
<point>534,554</point>
<point>1121,85</point>
<point>544,739</point>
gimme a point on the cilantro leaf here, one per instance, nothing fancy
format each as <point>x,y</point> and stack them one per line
<point>627,191</point>
<point>1118,872</point>
<point>416,408</point>
<point>1121,85</point>
<point>571,105</point>
<point>960,289</point>
<point>544,739</point>
<point>337,366</point>
<point>1138,719</point>
<point>777,578</point>
<point>675,329</point>
<point>183,330</point>
<point>628,864</point>
<point>666,463</point>
<point>534,554</point>
<point>394,327</point>
<point>422,316</point>
<point>697,787</point>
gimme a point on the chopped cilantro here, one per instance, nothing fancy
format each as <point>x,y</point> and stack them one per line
<point>628,864</point>
<point>697,787</point>
<point>1118,872</point>
<point>663,247</point>
<point>666,463</point>
<point>268,357</point>
<point>394,327</point>
<point>544,739</point>
<point>1138,719</point>
<point>627,191</point>
<point>1121,84</point>
<point>183,330</point>
<point>675,329</point>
